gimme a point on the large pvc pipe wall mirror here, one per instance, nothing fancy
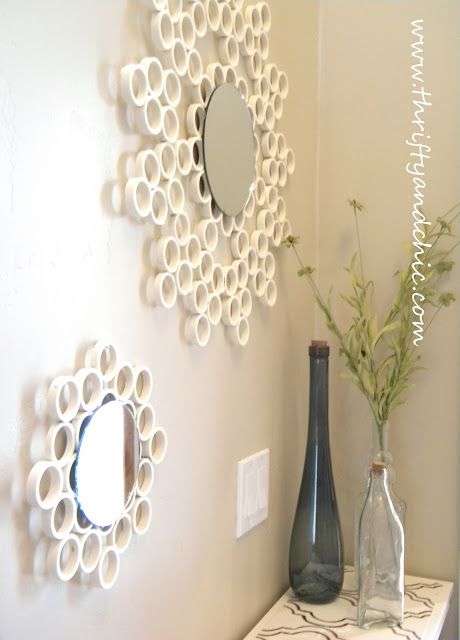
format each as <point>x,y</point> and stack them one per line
<point>228,150</point>
<point>211,165</point>
<point>92,484</point>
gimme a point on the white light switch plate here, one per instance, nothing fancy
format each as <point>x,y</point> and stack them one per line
<point>252,491</point>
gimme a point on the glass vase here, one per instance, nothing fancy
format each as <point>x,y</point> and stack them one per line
<point>381,554</point>
<point>379,453</point>
<point>316,553</point>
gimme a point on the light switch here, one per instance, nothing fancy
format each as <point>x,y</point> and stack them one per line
<point>252,491</point>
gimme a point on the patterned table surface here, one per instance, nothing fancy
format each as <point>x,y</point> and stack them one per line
<point>425,608</point>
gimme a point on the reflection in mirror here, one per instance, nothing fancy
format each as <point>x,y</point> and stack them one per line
<point>107,463</point>
<point>228,149</point>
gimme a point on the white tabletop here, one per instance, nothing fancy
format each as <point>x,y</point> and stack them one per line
<point>425,608</point>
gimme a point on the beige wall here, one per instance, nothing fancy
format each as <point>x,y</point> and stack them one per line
<point>70,273</point>
<point>365,114</point>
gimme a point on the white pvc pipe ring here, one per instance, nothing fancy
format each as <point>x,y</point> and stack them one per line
<point>108,567</point>
<point>252,261</point>
<point>145,477</point>
<point>197,300</point>
<point>248,41</point>
<point>175,196</point>
<point>141,515</point>
<point>196,147</point>
<point>245,302</point>
<point>231,311</point>
<point>198,15</point>
<point>239,244</point>
<point>121,534</point>
<point>170,124</point>
<point>270,293</point>
<point>64,557</point>
<point>259,241</point>
<point>187,30</point>
<point>226,20</point>
<point>198,330</point>
<point>60,521</point>
<point>91,387</point>
<point>266,221</point>
<point>269,265</point>
<point>124,381</point>
<point>142,384</point>
<point>243,88</point>
<point>60,443</point>
<point>194,68</point>
<point>138,197</point>
<point>91,549</point>
<point>250,205</point>
<point>259,283</point>
<point>63,398</point>
<point>154,74</point>
<point>199,188</point>
<point>218,279</point>
<point>148,118</point>
<point>239,334</point>
<point>102,356</point>
<point>162,290</point>
<point>148,166</point>
<point>231,280</point>
<point>179,227</point>
<point>167,159</point>
<point>165,254</point>
<point>238,25</point>
<point>228,50</point>
<point>159,207</point>
<point>145,421</point>
<point>259,190</point>
<point>203,91</point>
<point>207,232</point>
<point>206,267</point>
<point>214,309</point>
<point>184,278</point>
<point>213,14</point>
<point>183,157</point>
<point>162,30</point>
<point>193,251</point>
<point>281,209</point>
<point>177,57</point>
<point>242,271</point>
<point>195,118</point>
<point>171,88</point>
<point>283,84</point>
<point>134,84</point>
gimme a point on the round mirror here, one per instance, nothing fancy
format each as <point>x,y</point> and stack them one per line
<point>228,149</point>
<point>107,463</point>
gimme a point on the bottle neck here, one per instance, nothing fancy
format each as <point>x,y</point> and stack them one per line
<point>380,450</point>
<point>318,410</point>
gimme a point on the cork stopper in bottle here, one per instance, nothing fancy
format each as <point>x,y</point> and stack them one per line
<point>318,349</point>
<point>378,466</point>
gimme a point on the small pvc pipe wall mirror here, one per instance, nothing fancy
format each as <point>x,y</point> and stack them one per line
<point>239,208</point>
<point>102,449</point>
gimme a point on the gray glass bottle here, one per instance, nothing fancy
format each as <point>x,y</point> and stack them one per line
<point>316,550</point>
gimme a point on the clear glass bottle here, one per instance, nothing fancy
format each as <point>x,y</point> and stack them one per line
<point>316,553</point>
<point>381,555</point>
<point>379,453</point>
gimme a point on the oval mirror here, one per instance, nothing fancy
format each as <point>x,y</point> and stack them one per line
<point>228,149</point>
<point>107,463</point>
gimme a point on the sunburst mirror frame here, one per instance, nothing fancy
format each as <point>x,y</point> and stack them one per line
<point>216,265</point>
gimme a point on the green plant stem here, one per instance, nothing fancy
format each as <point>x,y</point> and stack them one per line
<point>359,245</point>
